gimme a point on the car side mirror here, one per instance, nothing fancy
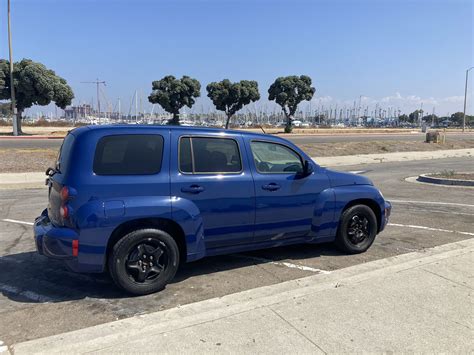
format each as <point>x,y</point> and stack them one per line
<point>307,168</point>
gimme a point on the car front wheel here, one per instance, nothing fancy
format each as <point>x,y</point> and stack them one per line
<point>144,261</point>
<point>357,229</point>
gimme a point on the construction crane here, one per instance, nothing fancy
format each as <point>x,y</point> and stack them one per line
<point>97,82</point>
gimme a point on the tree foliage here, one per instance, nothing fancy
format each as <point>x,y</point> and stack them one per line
<point>457,117</point>
<point>413,117</point>
<point>231,97</point>
<point>173,94</point>
<point>288,92</point>
<point>34,85</point>
<point>5,109</point>
<point>403,118</point>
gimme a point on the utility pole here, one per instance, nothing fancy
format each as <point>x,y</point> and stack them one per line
<point>465,99</point>
<point>12,86</point>
<point>97,83</point>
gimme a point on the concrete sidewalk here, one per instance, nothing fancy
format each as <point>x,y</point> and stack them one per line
<point>36,179</point>
<point>417,302</point>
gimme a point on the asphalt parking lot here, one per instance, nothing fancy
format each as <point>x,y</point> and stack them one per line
<point>40,297</point>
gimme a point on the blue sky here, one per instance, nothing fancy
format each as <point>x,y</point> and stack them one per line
<point>397,53</point>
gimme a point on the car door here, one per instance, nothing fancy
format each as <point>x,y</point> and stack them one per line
<point>285,199</point>
<point>212,172</point>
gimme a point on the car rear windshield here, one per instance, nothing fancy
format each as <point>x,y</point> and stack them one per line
<point>129,154</point>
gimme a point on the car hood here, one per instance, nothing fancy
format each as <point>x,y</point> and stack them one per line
<point>339,178</point>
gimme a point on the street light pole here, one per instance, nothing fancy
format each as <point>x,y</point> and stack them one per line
<point>465,99</point>
<point>12,86</point>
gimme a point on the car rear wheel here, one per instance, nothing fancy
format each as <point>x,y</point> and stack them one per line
<point>144,261</point>
<point>357,229</point>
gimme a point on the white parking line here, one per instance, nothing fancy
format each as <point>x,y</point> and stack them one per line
<point>16,221</point>
<point>282,263</point>
<point>429,228</point>
<point>431,203</point>
<point>357,171</point>
<point>33,296</point>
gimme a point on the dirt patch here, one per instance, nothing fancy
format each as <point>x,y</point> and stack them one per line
<point>26,160</point>
<point>374,147</point>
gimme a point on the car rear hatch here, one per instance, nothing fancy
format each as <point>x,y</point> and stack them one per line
<point>56,180</point>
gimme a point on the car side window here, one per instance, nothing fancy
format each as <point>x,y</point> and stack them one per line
<point>128,154</point>
<point>274,158</point>
<point>209,155</point>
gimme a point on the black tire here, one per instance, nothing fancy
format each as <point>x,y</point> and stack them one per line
<point>144,261</point>
<point>357,229</point>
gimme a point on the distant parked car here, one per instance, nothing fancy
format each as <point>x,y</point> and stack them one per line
<point>138,200</point>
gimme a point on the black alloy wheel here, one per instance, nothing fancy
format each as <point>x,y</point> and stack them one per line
<point>357,229</point>
<point>144,261</point>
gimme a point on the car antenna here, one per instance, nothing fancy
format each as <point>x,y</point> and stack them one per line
<point>262,129</point>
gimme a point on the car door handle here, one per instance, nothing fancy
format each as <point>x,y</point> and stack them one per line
<point>271,187</point>
<point>193,189</point>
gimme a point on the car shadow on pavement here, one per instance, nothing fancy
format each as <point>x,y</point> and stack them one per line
<point>31,278</point>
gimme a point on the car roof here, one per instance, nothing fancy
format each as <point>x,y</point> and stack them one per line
<point>114,127</point>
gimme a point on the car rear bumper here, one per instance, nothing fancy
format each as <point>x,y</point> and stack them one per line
<point>53,242</point>
<point>64,244</point>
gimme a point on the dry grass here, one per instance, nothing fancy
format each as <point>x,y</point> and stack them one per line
<point>26,160</point>
<point>372,147</point>
<point>451,174</point>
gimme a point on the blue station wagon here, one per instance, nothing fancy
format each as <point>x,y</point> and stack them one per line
<point>139,200</point>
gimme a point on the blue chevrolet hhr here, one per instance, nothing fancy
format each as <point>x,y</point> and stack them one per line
<point>138,200</point>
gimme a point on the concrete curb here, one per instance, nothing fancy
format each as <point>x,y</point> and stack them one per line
<point>106,337</point>
<point>444,181</point>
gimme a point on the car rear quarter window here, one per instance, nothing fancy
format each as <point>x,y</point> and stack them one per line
<point>209,155</point>
<point>65,153</point>
<point>129,154</point>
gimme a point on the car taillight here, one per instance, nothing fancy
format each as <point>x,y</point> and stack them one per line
<point>64,212</point>
<point>64,193</point>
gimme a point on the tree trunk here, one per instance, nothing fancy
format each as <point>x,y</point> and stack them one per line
<point>175,120</point>
<point>228,121</point>
<point>289,123</point>
<point>19,113</point>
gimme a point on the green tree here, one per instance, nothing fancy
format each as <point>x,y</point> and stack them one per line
<point>5,109</point>
<point>34,85</point>
<point>458,118</point>
<point>172,94</point>
<point>430,119</point>
<point>413,117</point>
<point>231,97</point>
<point>403,118</point>
<point>288,92</point>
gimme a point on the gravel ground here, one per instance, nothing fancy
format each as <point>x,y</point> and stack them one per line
<point>29,160</point>
<point>26,160</point>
